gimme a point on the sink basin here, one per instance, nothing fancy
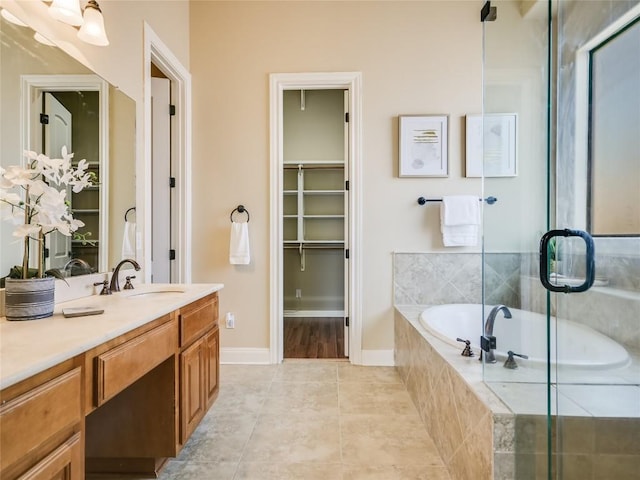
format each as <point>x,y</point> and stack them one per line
<point>155,293</point>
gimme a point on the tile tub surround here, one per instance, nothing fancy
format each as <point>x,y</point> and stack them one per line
<point>476,430</point>
<point>442,278</point>
<point>313,419</point>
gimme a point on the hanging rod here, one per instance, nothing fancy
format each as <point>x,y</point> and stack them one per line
<point>309,166</point>
<point>489,200</point>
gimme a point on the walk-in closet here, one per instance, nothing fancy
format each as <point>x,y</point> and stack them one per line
<point>315,218</point>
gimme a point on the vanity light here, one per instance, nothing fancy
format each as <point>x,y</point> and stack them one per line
<point>10,17</point>
<point>92,30</point>
<point>67,11</point>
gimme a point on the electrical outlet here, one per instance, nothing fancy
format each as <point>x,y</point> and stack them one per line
<point>298,293</point>
<point>230,320</point>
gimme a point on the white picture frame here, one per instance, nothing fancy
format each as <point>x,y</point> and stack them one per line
<point>492,145</point>
<point>423,145</point>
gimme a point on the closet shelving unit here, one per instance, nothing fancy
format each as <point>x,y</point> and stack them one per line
<point>85,206</point>
<point>314,196</point>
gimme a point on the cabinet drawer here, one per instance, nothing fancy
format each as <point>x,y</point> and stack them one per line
<point>30,419</point>
<point>197,318</point>
<point>121,366</point>
<point>64,463</point>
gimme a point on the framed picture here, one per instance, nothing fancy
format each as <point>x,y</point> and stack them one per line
<point>491,145</point>
<point>423,141</point>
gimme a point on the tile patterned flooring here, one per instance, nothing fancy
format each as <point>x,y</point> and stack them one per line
<point>307,420</point>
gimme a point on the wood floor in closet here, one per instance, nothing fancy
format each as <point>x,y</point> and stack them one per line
<point>313,337</point>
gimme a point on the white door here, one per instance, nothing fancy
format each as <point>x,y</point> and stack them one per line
<point>346,223</point>
<point>161,174</point>
<point>57,133</point>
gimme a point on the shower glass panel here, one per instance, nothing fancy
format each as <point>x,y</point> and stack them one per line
<point>516,170</point>
<point>575,402</point>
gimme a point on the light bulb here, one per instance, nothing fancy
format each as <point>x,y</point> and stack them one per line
<point>67,11</point>
<point>92,30</point>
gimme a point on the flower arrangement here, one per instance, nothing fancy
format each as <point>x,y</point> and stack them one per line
<point>33,197</point>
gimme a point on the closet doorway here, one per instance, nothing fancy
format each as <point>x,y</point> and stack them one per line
<point>315,220</point>
<point>315,216</point>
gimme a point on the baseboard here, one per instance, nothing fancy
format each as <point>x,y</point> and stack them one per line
<point>378,358</point>
<point>314,313</point>
<point>257,356</point>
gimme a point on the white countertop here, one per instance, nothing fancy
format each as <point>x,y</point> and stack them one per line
<point>29,347</point>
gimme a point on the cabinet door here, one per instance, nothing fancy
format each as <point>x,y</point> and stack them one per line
<point>64,463</point>
<point>192,391</point>
<point>212,356</point>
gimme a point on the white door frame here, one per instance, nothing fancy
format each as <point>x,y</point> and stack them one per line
<point>156,52</point>
<point>279,82</point>
<point>32,87</point>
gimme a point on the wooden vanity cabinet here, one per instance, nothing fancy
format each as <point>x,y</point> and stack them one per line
<point>199,359</point>
<point>42,427</point>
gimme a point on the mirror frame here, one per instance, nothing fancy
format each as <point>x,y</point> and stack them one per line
<point>33,86</point>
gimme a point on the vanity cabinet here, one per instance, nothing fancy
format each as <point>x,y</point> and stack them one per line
<point>122,407</point>
<point>199,358</point>
<point>41,428</point>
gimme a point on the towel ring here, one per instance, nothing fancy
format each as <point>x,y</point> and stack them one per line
<point>239,209</point>
<point>127,213</point>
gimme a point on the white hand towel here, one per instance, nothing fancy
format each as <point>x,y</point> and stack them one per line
<point>460,220</point>
<point>239,244</point>
<point>129,241</point>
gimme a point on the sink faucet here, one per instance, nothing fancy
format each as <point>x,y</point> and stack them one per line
<point>488,328</point>
<point>77,262</point>
<point>115,283</point>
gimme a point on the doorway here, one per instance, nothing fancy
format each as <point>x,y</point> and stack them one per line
<point>315,219</point>
<point>160,62</point>
<point>315,158</point>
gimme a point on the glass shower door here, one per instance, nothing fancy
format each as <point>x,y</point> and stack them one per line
<point>595,376</point>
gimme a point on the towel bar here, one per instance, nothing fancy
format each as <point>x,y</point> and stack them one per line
<point>239,209</point>
<point>489,200</point>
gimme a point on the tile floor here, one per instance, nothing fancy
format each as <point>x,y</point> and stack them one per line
<point>307,420</point>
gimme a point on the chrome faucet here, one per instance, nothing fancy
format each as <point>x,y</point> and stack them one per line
<point>488,329</point>
<point>115,283</point>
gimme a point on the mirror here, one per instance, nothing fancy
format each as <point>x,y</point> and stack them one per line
<point>37,78</point>
<point>614,145</point>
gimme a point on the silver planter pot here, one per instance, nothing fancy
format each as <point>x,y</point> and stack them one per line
<point>29,299</point>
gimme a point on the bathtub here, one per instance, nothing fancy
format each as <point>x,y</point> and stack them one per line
<point>577,345</point>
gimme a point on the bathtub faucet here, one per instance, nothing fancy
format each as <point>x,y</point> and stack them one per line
<point>488,341</point>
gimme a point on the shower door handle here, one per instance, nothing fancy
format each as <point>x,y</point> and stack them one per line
<point>590,271</point>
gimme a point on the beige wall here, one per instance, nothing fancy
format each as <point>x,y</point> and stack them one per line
<point>415,57</point>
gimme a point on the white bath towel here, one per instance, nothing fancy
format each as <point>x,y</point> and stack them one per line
<point>129,241</point>
<point>239,253</point>
<point>460,220</point>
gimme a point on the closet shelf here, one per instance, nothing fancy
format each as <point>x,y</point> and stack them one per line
<point>321,216</point>
<point>323,192</point>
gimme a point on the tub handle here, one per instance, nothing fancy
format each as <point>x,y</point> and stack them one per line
<point>467,352</point>
<point>590,272</point>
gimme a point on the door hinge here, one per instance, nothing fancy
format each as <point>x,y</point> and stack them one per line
<point>346,253</point>
<point>346,117</point>
<point>44,119</point>
<point>346,321</point>
<point>172,182</point>
<point>172,254</point>
<point>346,185</point>
<point>172,110</point>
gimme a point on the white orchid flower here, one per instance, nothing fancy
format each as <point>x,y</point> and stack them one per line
<point>26,230</point>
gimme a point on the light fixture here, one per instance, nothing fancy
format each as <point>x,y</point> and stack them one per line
<point>92,30</point>
<point>10,17</point>
<point>67,11</point>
